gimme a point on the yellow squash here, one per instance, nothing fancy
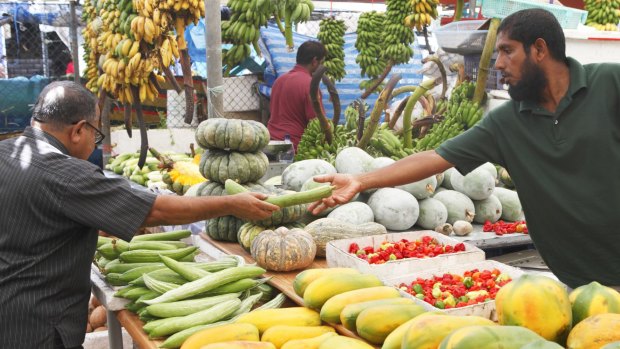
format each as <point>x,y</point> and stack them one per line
<point>325,287</point>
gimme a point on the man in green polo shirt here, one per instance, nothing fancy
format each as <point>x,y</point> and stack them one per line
<point>559,138</point>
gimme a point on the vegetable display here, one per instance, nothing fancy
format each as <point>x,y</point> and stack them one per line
<point>426,247</point>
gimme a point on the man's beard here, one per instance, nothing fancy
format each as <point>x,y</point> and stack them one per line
<point>532,84</point>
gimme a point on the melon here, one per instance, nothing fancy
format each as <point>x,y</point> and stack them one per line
<point>353,212</point>
<point>460,207</point>
<point>447,177</point>
<point>380,162</point>
<point>394,208</point>
<point>297,173</point>
<point>353,160</point>
<point>489,209</point>
<point>421,189</point>
<point>440,177</point>
<point>490,168</point>
<point>478,184</point>
<point>511,206</point>
<point>433,213</point>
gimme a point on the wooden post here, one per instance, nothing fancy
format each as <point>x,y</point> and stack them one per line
<point>215,79</point>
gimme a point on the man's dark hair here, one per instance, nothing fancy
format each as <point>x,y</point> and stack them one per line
<point>309,50</point>
<point>64,102</point>
<point>528,25</point>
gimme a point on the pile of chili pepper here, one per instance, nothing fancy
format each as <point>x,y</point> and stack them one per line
<point>500,227</point>
<point>426,247</point>
<point>455,291</point>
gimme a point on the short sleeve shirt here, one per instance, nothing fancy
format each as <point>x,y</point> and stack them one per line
<point>53,205</point>
<point>566,169</point>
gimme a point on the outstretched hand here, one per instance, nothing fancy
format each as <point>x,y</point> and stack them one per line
<point>251,206</point>
<point>346,186</point>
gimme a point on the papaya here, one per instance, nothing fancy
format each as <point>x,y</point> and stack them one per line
<point>325,287</point>
<point>304,278</point>
<point>376,323</point>
<point>612,345</point>
<point>341,342</point>
<point>280,334</point>
<point>542,344</point>
<point>489,337</point>
<point>538,303</point>
<point>595,332</point>
<point>239,345</point>
<point>349,314</point>
<point>223,333</point>
<point>293,316</point>
<point>308,343</point>
<point>427,332</point>
<point>330,311</point>
<point>592,299</point>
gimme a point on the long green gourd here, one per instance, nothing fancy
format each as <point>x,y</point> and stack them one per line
<point>286,200</point>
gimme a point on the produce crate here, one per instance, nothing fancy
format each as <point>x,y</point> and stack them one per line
<point>486,309</point>
<point>337,254</point>
<point>462,37</point>
<point>472,63</point>
<point>568,17</point>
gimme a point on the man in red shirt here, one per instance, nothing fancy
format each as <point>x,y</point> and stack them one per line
<point>291,107</point>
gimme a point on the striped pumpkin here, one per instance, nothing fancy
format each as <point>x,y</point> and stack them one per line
<point>592,299</point>
<point>220,165</point>
<point>232,134</point>
<point>221,228</point>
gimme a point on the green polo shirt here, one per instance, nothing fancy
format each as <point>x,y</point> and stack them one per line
<point>566,168</point>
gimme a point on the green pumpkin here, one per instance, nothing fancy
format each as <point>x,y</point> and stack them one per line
<point>232,134</point>
<point>220,165</point>
<point>249,231</point>
<point>221,228</point>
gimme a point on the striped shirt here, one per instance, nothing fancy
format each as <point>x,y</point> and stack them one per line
<point>52,206</point>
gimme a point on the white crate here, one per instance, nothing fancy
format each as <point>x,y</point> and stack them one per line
<point>486,309</point>
<point>337,254</point>
<point>240,93</point>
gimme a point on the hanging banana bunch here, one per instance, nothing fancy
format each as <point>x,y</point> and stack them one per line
<point>293,12</point>
<point>397,37</point>
<point>243,29</point>
<point>369,46</point>
<point>331,34</point>
<point>423,12</point>
<point>603,14</point>
<point>91,54</point>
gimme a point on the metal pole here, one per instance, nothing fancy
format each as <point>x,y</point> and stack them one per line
<point>45,54</point>
<point>214,58</point>
<point>106,148</point>
<point>74,43</point>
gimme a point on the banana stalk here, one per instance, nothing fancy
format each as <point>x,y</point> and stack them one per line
<point>288,30</point>
<point>379,80</point>
<point>144,141</point>
<point>397,113</point>
<point>334,97</point>
<point>407,136</point>
<point>485,61</point>
<point>442,70</point>
<point>361,112</point>
<point>375,114</point>
<point>127,116</point>
<point>316,105</point>
<point>170,77</point>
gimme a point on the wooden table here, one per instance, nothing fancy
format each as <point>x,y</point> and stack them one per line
<point>133,325</point>
<point>283,281</point>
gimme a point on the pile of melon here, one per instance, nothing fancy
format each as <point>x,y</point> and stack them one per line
<point>430,203</point>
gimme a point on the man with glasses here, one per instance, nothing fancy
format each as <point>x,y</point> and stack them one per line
<point>54,202</point>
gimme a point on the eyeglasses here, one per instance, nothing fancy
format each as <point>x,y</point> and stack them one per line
<point>99,136</point>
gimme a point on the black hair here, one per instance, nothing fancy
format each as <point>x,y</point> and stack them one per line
<point>309,50</point>
<point>64,102</point>
<point>528,25</point>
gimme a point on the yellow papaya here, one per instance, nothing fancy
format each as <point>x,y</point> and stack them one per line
<point>538,303</point>
<point>223,333</point>
<point>595,332</point>
<point>489,337</point>
<point>395,339</point>
<point>308,343</point>
<point>280,334</point>
<point>376,323</point>
<point>349,314</point>
<point>240,345</point>
<point>427,332</point>
<point>612,345</point>
<point>330,311</point>
<point>325,287</point>
<point>592,299</point>
<point>294,316</point>
<point>341,342</point>
<point>304,278</point>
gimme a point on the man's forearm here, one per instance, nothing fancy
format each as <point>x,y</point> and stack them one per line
<point>171,209</point>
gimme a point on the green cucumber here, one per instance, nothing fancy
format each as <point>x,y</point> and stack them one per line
<point>188,272</point>
<point>141,256</point>
<point>169,235</point>
<point>186,307</point>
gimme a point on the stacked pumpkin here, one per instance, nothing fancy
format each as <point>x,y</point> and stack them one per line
<point>233,152</point>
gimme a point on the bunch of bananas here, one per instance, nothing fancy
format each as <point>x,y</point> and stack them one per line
<point>243,29</point>
<point>603,14</point>
<point>331,34</point>
<point>460,113</point>
<point>313,146</point>
<point>396,36</point>
<point>424,11</point>
<point>293,12</point>
<point>388,144</point>
<point>90,33</point>
<point>369,46</point>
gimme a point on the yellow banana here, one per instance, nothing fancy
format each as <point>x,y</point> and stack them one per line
<point>142,92</point>
<point>135,46</point>
<point>156,17</point>
<point>126,48</point>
